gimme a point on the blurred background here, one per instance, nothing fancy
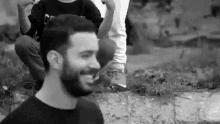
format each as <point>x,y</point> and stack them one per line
<point>178,40</point>
<point>167,22</point>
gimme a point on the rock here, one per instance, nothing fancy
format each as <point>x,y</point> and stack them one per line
<point>190,107</point>
<point>145,110</point>
<point>114,108</point>
<point>183,38</point>
<point>204,76</point>
<point>212,108</point>
<point>130,108</point>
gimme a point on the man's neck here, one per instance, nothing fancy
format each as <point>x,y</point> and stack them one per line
<point>53,94</point>
<point>66,1</point>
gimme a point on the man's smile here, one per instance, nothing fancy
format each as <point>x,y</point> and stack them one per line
<point>88,78</point>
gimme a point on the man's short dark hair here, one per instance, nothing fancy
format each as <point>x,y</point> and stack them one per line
<point>57,32</point>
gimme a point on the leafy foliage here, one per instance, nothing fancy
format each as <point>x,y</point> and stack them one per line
<point>14,76</point>
<point>197,72</point>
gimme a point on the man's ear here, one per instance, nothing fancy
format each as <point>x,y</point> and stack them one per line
<point>55,60</point>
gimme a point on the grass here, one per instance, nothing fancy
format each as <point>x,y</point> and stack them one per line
<point>190,73</point>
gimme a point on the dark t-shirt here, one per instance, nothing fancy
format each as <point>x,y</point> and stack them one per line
<point>34,111</point>
<point>45,9</point>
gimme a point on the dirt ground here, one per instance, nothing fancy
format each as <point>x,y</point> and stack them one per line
<point>156,56</point>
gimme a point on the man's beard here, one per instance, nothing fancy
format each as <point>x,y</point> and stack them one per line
<point>70,79</point>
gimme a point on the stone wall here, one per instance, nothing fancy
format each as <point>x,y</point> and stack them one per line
<point>187,108</point>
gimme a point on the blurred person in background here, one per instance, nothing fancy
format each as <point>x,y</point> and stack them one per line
<point>117,34</point>
<point>27,46</point>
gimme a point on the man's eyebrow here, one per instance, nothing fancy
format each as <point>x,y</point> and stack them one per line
<point>88,52</point>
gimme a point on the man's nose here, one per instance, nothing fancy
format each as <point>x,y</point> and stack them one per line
<point>95,64</point>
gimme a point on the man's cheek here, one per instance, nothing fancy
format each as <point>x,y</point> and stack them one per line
<point>77,64</point>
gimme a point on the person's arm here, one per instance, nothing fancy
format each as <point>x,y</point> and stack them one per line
<point>92,13</point>
<point>23,20</point>
<point>106,24</point>
<point>30,24</point>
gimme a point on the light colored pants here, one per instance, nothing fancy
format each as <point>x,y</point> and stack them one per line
<point>117,32</point>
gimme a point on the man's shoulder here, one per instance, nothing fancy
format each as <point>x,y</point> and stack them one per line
<point>88,105</point>
<point>15,117</point>
<point>87,100</point>
<point>90,110</point>
<point>86,2</point>
<point>22,113</point>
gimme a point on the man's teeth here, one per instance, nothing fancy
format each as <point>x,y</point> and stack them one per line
<point>88,76</point>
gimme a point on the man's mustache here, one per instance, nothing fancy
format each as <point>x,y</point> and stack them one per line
<point>89,72</point>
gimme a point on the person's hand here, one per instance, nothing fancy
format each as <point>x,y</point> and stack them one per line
<point>110,4</point>
<point>22,4</point>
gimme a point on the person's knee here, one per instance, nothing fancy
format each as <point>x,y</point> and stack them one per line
<point>23,44</point>
<point>106,51</point>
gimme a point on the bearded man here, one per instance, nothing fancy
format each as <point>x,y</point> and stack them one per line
<point>69,45</point>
